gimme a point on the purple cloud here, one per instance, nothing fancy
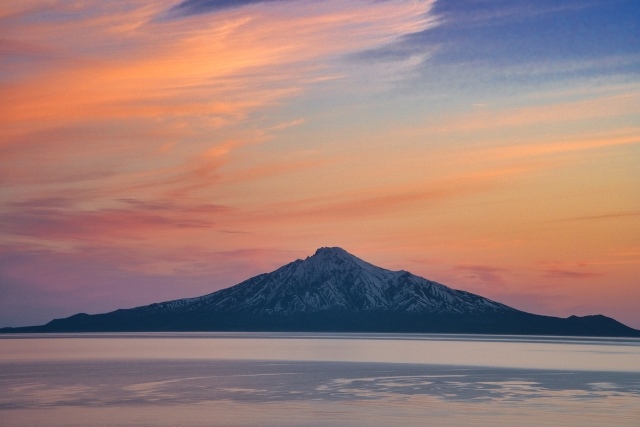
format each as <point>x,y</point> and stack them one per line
<point>197,7</point>
<point>483,273</point>
<point>558,273</point>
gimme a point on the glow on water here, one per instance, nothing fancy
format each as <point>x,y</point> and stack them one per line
<point>278,379</point>
<point>602,354</point>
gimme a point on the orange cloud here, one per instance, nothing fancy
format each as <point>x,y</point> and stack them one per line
<point>487,118</point>
<point>125,106</point>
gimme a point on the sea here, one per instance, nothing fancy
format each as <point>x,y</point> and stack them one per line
<point>317,379</point>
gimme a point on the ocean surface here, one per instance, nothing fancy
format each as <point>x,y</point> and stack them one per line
<point>289,379</point>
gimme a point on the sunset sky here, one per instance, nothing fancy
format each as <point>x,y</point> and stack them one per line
<point>153,150</point>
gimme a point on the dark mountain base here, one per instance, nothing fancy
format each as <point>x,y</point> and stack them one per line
<point>518,323</point>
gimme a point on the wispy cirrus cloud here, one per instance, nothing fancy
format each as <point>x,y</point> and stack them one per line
<point>566,274</point>
<point>489,118</point>
<point>129,145</point>
<point>602,216</point>
<point>485,273</point>
<point>134,220</point>
<point>195,7</point>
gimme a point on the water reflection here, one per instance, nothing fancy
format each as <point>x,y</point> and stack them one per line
<point>133,385</point>
<point>497,351</point>
<point>106,383</point>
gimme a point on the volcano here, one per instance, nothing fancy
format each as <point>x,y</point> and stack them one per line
<point>335,291</point>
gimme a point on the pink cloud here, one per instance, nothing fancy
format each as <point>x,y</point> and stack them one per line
<point>488,274</point>
<point>565,274</point>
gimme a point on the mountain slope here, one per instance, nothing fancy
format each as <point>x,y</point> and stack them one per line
<point>336,291</point>
<point>334,280</point>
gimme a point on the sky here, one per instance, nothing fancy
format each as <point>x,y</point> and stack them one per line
<point>154,150</point>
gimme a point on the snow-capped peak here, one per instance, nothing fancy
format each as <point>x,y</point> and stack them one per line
<point>335,280</point>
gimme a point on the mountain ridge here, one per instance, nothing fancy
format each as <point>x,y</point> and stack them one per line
<point>333,279</point>
<point>333,290</point>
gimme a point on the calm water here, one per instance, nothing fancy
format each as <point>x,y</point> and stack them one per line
<point>224,379</point>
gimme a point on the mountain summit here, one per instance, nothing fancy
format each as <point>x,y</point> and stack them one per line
<point>333,290</point>
<point>334,280</point>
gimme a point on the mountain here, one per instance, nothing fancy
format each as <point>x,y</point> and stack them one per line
<point>336,291</point>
